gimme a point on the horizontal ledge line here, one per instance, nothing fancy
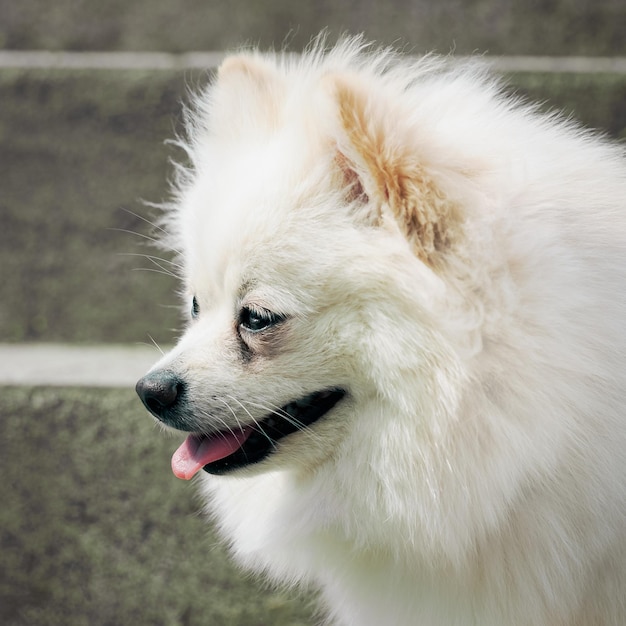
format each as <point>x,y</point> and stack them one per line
<point>75,365</point>
<point>109,60</point>
<point>25,59</point>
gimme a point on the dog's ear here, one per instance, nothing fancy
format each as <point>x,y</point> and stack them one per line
<point>380,160</point>
<point>246,95</point>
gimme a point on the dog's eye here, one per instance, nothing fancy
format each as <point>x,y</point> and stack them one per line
<point>195,308</point>
<point>255,320</point>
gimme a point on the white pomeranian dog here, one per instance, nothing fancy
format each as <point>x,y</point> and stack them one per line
<point>404,375</point>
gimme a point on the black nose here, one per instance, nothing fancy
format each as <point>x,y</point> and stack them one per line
<point>159,391</point>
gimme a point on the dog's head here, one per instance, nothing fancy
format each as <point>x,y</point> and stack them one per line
<point>310,232</point>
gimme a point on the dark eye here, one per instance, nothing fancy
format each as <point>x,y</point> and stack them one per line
<point>195,308</point>
<point>255,320</point>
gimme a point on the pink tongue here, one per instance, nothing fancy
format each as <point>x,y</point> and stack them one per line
<point>196,451</point>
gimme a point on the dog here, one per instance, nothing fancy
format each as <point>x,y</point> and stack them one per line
<point>403,376</point>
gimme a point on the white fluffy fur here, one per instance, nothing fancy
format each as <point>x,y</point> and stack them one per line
<point>476,472</point>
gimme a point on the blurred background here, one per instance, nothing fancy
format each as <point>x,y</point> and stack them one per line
<point>537,27</point>
<point>93,527</point>
<point>80,149</point>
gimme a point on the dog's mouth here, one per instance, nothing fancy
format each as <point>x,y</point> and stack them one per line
<point>225,451</point>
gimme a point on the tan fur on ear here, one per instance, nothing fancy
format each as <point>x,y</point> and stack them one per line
<point>391,172</point>
<point>247,66</point>
<point>248,91</point>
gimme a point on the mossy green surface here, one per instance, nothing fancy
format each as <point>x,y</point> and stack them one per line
<point>95,530</point>
<point>80,150</point>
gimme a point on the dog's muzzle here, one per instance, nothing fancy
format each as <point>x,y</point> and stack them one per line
<point>218,452</point>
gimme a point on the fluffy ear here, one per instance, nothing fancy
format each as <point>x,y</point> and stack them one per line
<point>380,160</point>
<point>246,96</point>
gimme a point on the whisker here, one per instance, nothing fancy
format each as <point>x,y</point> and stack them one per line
<point>151,257</point>
<point>152,240</point>
<point>221,431</point>
<point>156,345</point>
<point>280,412</point>
<point>143,218</point>
<point>230,408</point>
<point>158,227</point>
<point>155,260</point>
<point>152,269</point>
<point>254,420</point>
